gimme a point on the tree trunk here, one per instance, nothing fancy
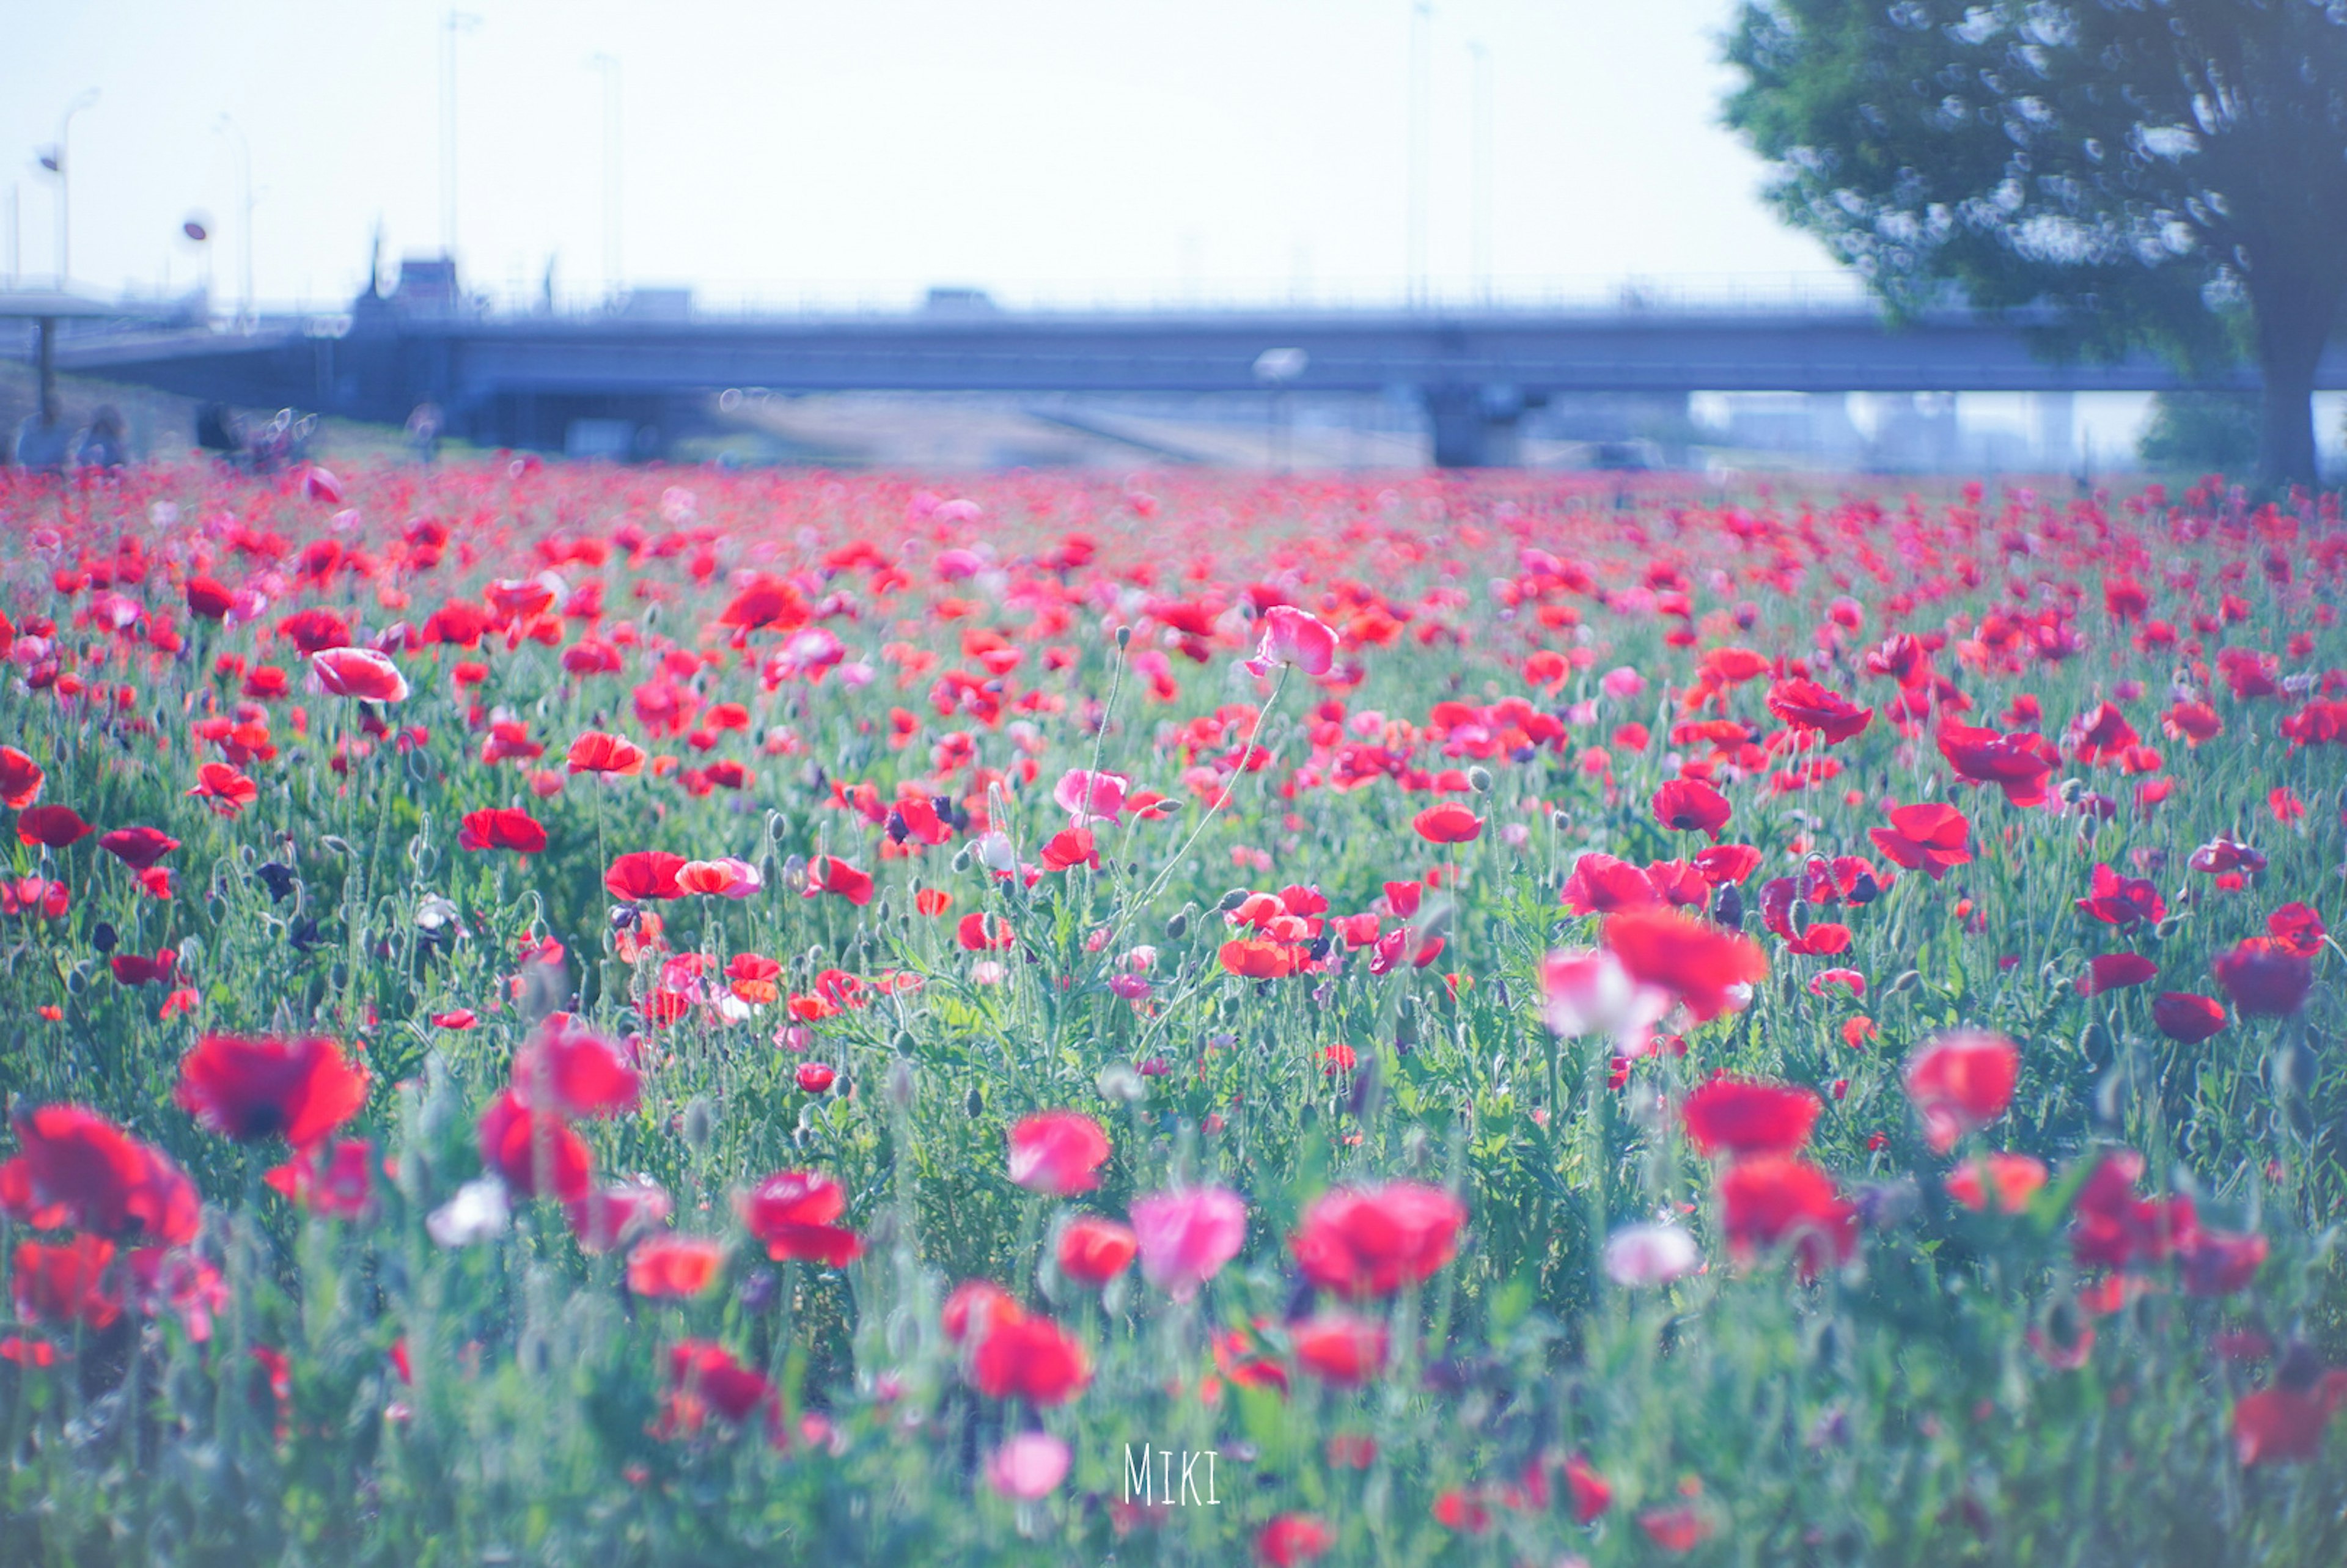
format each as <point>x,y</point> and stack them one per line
<point>2294,324</point>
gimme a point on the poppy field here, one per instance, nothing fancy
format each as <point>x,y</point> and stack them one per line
<point>560,1014</point>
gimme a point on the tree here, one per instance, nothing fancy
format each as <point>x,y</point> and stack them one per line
<point>2202,432</point>
<point>2164,173</point>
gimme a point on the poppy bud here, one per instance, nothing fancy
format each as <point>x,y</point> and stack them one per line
<point>2094,1044</point>
<point>1479,779</point>
<point>961,858</point>
<point>102,937</point>
<point>1123,638</point>
<point>1727,905</point>
<point>1233,899</point>
<point>1904,980</point>
<point>758,1289</point>
<point>2073,791</point>
<point>1118,1082</point>
<point>975,1104</point>
<point>699,1124</point>
<point>1178,927</point>
<point>2111,1094</point>
<point>902,1042</point>
<point>880,909</point>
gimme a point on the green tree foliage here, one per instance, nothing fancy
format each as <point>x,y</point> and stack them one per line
<point>2162,172</point>
<point>2204,432</point>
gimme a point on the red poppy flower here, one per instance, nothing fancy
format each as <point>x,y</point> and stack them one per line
<point>520,1144</point>
<point>829,873</point>
<point>1600,884</point>
<point>1694,960</point>
<point>1338,1347</point>
<point>301,1089</point>
<point>2297,927</point>
<point>2182,1015</point>
<point>1058,1151</point>
<point>67,1282</point>
<point>1691,806</point>
<point>975,1306</point>
<point>2114,971</point>
<point>1749,1116</point>
<point>2123,901</point>
<point>1806,705</point>
<point>1930,838</point>
<point>2218,1263</point>
<point>1070,848</point>
<point>1372,1241</point>
<point>1962,1082</point>
<point>1592,1493</point>
<point>597,752</point>
<point>53,825</point>
<point>645,874</point>
<point>1449,822</point>
<point>225,790</point>
<point>2264,977</point>
<point>499,828</point>
<point>335,1181</point>
<point>702,1377</point>
<point>1093,1250</point>
<point>792,1212</point>
<point>137,847</point>
<point>2282,1425</point>
<point>360,673</point>
<point>21,779</point>
<point>74,1167</point>
<point>2111,1227</point>
<point>2008,1180</point>
<point>574,1072</point>
<point>1253,959</point>
<point>1032,1358</point>
<point>1773,1199</point>
<point>1292,1540</point>
<point>2017,763</point>
<point>674,1268</point>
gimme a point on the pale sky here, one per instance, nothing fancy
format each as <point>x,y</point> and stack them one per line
<point>1038,148</point>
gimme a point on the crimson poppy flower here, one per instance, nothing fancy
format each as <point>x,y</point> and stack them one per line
<point>769,602</point>
<point>2123,901</point>
<point>336,1180</point>
<point>1032,1358</point>
<point>1338,1347</point>
<point>829,873</point>
<point>1592,1494</point>
<point>1058,1151</point>
<point>2282,1425</point>
<point>1680,1527</point>
<point>1093,1250</point>
<point>977,1307</point>
<point>1293,1539</point>
<point>358,673</point>
<point>2297,927</point>
<point>645,874</point>
<point>520,1144</point>
<point>597,752</point>
<point>1372,1241</point>
<point>2218,1263</point>
<point>225,790</point>
<point>1929,837</point>
<point>1600,884</point>
<point>1070,848</point>
<point>55,826</point>
<point>574,1072</point>
<point>74,1167</point>
<point>1726,865</point>
<point>2264,977</point>
<point>500,828</point>
<point>674,1268</point>
<point>1959,1083</point>
<point>611,1214</point>
<point>21,779</point>
<point>1449,822</point>
<point>2114,971</point>
<point>1801,704</point>
<point>137,847</point>
<point>66,1282</point>
<point>2184,1016</point>
<point>302,1089</point>
<point>136,969</point>
<point>1694,960</point>
<point>792,1212</point>
<point>1749,1116</point>
<point>704,1377</point>
<point>1691,806</point>
<point>1253,959</point>
<point>2111,1227</point>
<point>1770,1200</point>
<point>2017,763</point>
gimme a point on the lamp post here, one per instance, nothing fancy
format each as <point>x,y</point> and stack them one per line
<point>245,318</point>
<point>609,67</point>
<point>58,161</point>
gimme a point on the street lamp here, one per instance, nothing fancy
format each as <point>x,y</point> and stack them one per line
<point>610,67</point>
<point>58,161</point>
<point>196,230</point>
<point>244,318</point>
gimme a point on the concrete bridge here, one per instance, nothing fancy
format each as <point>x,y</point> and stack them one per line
<point>535,381</point>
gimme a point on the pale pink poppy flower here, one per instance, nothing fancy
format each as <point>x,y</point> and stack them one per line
<point>725,879</point>
<point>1293,636</point>
<point>1088,796</point>
<point>1622,684</point>
<point>1028,1466</point>
<point>358,673</point>
<point>1187,1236</point>
<point>1650,1255</point>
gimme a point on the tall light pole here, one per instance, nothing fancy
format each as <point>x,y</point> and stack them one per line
<point>1479,221</point>
<point>1421,21</point>
<point>245,318</point>
<point>609,67</point>
<point>58,161</point>
<point>454,22</point>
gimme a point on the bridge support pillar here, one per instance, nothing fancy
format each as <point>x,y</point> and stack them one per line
<point>1476,426</point>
